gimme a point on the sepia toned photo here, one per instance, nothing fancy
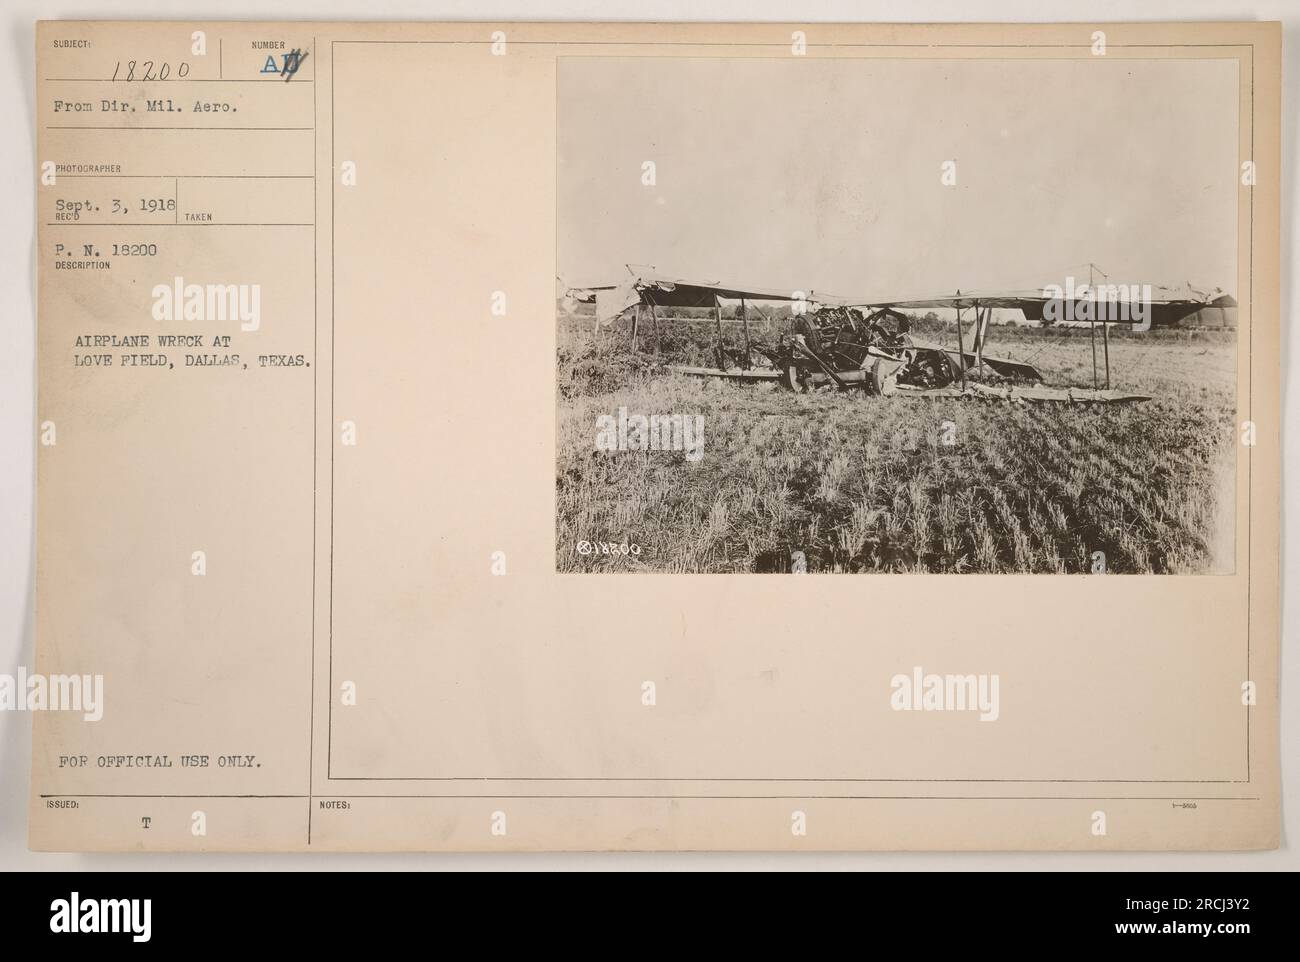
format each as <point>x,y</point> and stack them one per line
<point>344,409</point>
<point>897,315</point>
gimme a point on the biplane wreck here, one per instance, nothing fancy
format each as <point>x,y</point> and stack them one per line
<point>866,344</point>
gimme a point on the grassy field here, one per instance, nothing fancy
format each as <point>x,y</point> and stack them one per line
<point>862,484</point>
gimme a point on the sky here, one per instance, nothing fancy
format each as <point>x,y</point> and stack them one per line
<point>817,173</point>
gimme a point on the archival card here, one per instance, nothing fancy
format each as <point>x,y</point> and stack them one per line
<point>648,437</point>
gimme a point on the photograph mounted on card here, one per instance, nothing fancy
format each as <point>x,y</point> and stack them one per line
<point>430,380</point>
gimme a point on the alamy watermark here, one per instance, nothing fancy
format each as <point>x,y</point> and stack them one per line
<point>76,915</point>
<point>654,432</point>
<point>179,301</point>
<point>37,692</point>
<point>921,692</point>
<point>1098,302</point>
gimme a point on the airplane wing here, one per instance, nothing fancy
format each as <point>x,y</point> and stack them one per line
<point>647,287</point>
<point>1122,308</point>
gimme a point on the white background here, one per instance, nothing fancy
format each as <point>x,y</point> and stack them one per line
<point>18,418</point>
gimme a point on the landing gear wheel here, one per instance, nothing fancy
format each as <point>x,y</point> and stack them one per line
<point>881,378</point>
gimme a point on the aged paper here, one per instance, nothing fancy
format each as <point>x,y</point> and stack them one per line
<point>643,437</point>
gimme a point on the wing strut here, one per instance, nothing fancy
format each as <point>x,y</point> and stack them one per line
<point>961,351</point>
<point>1105,341</point>
<point>1092,339</point>
<point>744,320</point>
<point>717,316</point>
<point>654,318</point>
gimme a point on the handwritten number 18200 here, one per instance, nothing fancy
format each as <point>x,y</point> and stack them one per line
<point>137,70</point>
